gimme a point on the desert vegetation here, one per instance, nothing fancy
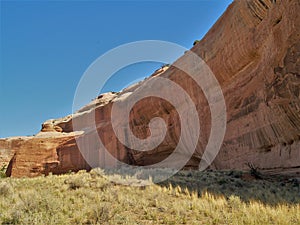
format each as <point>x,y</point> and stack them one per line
<point>189,197</point>
<point>195,42</point>
<point>2,171</point>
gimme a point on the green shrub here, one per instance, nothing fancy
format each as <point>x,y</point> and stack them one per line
<point>2,172</point>
<point>195,42</point>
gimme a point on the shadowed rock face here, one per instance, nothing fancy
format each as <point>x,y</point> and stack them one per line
<point>253,50</point>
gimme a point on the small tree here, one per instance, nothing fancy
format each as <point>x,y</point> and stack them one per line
<point>254,171</point>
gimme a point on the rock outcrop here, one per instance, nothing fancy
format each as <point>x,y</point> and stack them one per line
<point>254,52</point>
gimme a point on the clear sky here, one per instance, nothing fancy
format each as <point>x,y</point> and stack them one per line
<point>47,45</point>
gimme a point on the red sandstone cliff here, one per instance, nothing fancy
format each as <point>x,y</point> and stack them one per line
<point>253,50</point>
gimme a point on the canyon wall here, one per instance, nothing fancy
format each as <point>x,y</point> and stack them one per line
<point>253,50</point>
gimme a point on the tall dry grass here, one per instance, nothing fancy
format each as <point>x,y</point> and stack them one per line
<point>186,198</point>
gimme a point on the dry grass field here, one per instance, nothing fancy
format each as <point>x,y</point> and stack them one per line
<point>189,197</point>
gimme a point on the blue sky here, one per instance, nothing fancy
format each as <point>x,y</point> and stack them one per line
<point>46,47</point>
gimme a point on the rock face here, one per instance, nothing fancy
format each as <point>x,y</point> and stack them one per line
<point>43,154</point>
<point>8,147</point>
<point>254,52</point>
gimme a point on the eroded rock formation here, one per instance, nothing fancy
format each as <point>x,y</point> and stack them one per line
<point>254,52</point>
